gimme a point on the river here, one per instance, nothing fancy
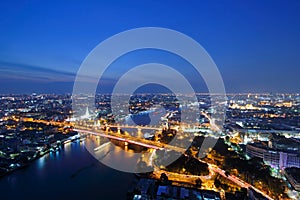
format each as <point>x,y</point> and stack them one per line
<point>71,173</point>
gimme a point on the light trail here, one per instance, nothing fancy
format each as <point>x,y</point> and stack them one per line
<point>119,138</point>
<point>155,145</point>
<point>237,181</point>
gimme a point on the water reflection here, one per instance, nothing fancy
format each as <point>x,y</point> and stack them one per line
<point>41,161</point>
<point>67,148</point>
<point>115,153</point>
<point>71,173</point>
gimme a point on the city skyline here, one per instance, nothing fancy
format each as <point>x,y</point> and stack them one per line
<point>254,44</point>
<point>150,99</point>
<point>253,154</point>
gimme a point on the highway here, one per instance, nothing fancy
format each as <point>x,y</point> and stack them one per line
<point>236,180</point>
<point>135,127</point>
<point>130,139</point>
<point>124,138</point>
<point>213,126</point>
<point>178,177</point>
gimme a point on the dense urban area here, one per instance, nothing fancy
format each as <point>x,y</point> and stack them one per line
<point>256,153</point>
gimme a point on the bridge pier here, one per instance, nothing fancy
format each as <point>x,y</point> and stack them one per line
<point>126,146</point>
<point>119,130</point>
<point>98,140</point>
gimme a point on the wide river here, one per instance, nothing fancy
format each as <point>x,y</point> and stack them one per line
<point>71,173</point>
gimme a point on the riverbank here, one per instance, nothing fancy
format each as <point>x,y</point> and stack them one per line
<point>54,147</point>
<point>71,173</point>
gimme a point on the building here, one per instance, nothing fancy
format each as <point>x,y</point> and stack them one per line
<point>173,192</point>
<point>256,149</point>
<point>293,176</point>
<point>151,189</point>
<point>87,114</point>
<point>277,158</point>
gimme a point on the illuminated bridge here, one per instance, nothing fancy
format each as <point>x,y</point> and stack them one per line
<point>157,145</point>
<point>135,127</point>
<point>129,139</point>
<point>145,143</point>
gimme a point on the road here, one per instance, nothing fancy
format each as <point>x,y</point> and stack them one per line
<point>236,180</point>
<point>213,126</point>
<point>185,178</point>
<point>124,138</point>
<point>153,145</point>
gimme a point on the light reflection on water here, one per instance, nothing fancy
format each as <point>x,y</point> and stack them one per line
<point>113,155</point>
<point>41,161</point>
<point>70,173</point>
<point>67,148</point>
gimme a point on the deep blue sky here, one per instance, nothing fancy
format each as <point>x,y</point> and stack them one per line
<point>255,44</point>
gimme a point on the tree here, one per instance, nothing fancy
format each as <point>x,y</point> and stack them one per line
<point>227,138</point>
<point>217,183</point>
<point>198,182</point>
<point>164,179</point>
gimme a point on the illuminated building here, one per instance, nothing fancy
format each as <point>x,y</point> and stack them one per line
<point>87,114</point>
<point>272,156</point>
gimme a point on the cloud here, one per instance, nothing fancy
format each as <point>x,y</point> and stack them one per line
<point>25,78</point>
<point>20,71</point>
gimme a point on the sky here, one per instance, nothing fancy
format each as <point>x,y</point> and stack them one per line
<point>255,44</point>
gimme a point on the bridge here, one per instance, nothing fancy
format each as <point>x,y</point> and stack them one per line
<point>129,139</point>
<point>139,128</point>
<point>135,127</point>
<point>118,126</point>
<point>146,143</point>
<point>161,146</point>
<point>125,139</point>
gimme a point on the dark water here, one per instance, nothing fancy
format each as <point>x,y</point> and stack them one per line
<point>150,117</point>
<point>71,173</point>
